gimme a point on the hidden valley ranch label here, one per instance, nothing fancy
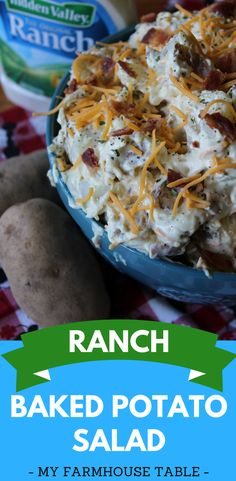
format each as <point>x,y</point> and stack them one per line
<point>39,39</point>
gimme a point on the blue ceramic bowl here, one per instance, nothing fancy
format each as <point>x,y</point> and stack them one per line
<point>167,278</point>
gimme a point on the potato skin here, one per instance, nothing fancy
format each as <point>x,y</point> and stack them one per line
<point>52,270</point>
<point>23,178</point>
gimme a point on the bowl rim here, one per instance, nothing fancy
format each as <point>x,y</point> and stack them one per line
<point>50,129</point>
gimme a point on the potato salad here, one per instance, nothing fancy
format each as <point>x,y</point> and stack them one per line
<point>147,138</point>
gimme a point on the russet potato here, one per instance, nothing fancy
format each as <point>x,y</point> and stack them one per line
<point>52,270</point>
<point>25,177</point>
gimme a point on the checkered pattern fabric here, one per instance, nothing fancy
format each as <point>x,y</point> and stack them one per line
<point>20,133</point>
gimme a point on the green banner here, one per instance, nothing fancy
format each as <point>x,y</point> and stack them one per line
<point>75,14</point>
<point>119,340</point>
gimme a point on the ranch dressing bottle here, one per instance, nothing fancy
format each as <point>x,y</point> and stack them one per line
<point>40,38</point>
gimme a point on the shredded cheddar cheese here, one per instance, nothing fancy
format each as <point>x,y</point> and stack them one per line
<point>89,114</point>
<point>181,115</point>
<point>127,52</point>
<point>183,180</point>
<point>197,77</point>
<point>231,75</point>
<point>180,86</point>
<point>85,199</point>
<point>62,166</point>
<point>227,85</point>
<point>225,44</point>
<point>105,90</point>
<point>183,10</point>
<point>196,201</point>
<point>151,116</point>
<point>193,39</point>
<point>213,170</point>
<point>136,150</point>
<point>203,29</point>
<point>141,49</point>
<point>130,93</point>
<point>125,213</point>
<point>70,132</point>
<point>82,103</point>
<point>218,101</point>
<point>154,152</point>
<point>50,112</point>
<point>109,118</point>
<point>151,76</point>
<point>188,24</point>
<point>131,125</point>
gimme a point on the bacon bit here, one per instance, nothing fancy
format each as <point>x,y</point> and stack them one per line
<point>122,108</point>
<point>121,132</point>
<point>71,87</point>
<point>107,64</point>
<point>156,37</point>
<point>224,8</point>
<point>126,67</point>
<point>218,262</point>
<point>152,124</point>
<point>148,18</point>
<point>89,158</point>
<point>196,144</point>
<point>193,59</point>
<point>214,79</point>
<point>108,68</point>
<point>221,123</point>
<point>227,63</point>
<point>172,176</point>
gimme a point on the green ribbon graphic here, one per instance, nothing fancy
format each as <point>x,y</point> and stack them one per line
<point>189,348</point>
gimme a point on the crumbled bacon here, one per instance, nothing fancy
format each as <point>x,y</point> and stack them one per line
<point>71,87</point>
<point>121,132</point>
<point>227,63</point>
<point>192,59</point>
<point>127,68</point>
<point>122,108</point>
<point>172,176</point>
<point>163,131</point>
<point>224,8</point>
<point>221,123</point>
<point>107,64</point>
<point>214,79</point>
<point>156,37</point>
<point>196,144</point>
<point>107,68</point>
<point>148,18</point>
<point>152,124</point>
<point>89,158</point>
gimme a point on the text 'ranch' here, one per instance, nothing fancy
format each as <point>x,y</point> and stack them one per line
<point>141,341</point>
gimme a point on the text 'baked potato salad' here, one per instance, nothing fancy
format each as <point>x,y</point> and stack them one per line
<point>147,139</point>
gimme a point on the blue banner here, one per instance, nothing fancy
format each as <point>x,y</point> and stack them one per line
<point>117,419</point>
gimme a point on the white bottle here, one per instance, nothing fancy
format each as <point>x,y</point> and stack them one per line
<point>40,38</point>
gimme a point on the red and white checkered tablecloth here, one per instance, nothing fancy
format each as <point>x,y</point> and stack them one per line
<point>20,133</point>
